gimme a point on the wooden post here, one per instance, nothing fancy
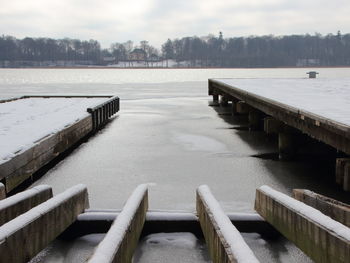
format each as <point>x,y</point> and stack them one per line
<point>2,191</point>
<point>272,126</point>
<point>223,101</point>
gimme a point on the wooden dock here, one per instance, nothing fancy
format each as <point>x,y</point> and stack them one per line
<point>288,122</point>
<point>22,166</point>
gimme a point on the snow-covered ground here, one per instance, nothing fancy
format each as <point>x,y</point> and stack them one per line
<point>24,122</point>
<point>328,98</point>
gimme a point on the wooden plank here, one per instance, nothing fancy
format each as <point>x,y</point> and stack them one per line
<point>224,242</point>
<point>320,237</point>
<point>122,238</point>
<point>35,229</point>
<point>328,206</point>
<point>22,202</point>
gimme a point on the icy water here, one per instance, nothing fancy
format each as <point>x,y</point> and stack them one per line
<point>166,134</point>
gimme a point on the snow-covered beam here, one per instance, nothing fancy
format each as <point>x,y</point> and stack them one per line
<point>342,173</point>
<point>26,235</point>
<point>22,202</point>
<point>122,238</point>
<point>320,237</point>
<point>334,209</point>
<point>224,241</point>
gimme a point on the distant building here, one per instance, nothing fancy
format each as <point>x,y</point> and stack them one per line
<point>137,54</point>
<point>154,58</point>
<point>304,62</point>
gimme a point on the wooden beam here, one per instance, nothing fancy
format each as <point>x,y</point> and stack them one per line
<point>121,240</point>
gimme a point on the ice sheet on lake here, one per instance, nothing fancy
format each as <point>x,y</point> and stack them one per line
<point>24,122</point>
<point>329,98</point>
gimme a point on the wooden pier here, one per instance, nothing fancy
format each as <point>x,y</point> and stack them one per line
<point>288,122</point>
<point>22,166</point>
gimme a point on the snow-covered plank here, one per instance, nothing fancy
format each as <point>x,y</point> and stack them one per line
<point>122,238</point>
<point>319,236</point>
<point>334,209</point>
<point>35,229</point>
<point>22,202</point>
<point>224,241</point>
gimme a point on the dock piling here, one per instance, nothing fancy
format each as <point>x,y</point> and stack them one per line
<point>2,191</point>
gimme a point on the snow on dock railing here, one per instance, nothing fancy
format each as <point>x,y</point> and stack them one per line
<point>319,236</point>
<point>22,202</point>
<point>122,238</point>
<point>224,241</point>
<point>26,235</point>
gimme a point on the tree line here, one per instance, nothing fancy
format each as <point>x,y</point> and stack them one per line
<point>208,51</point>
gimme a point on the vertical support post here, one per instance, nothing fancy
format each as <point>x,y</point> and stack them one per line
<point>215,98</point>
<point>287,145</point>
<point>272,126</point>
<point>346,182</point>
<point>254,118</point>
<point>342,173</point>
<point>223,101</point>
<point>242,107</point>
<point>2,191</point>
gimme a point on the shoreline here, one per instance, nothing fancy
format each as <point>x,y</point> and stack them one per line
<point>184,68</point>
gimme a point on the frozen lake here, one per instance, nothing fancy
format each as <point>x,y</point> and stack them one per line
<point>167,135</point>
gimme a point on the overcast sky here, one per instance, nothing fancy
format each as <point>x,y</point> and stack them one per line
<point>111,21</point>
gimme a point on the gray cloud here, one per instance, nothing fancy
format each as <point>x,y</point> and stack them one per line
<point>156,20</point>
